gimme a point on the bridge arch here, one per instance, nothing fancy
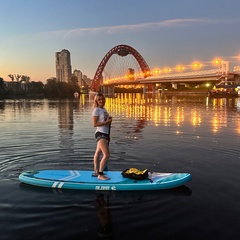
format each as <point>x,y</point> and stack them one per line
<point>122,50</point>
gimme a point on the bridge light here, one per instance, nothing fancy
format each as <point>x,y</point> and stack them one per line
<point>167,70</point>
<point>196,65</point>
<point>217,61</point>
<point>157,71</point>
<point>180,68</point>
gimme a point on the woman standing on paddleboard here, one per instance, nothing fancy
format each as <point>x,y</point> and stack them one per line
<point>101,121</point>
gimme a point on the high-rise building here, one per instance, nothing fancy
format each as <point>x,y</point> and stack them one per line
<point>87,80</point>
<point>63,65</point>
<point>78,75</point>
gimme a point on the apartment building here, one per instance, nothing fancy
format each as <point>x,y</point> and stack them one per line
<point>63,65</point>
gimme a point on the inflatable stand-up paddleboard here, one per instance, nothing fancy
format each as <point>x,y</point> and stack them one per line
<point>83,180</point>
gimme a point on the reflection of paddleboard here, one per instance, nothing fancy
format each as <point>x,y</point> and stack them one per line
<point>83,180</point>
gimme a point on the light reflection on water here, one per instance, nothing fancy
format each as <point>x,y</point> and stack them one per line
<point>176,133</point>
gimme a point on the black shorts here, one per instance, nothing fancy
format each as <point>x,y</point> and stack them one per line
<point>99,135</point>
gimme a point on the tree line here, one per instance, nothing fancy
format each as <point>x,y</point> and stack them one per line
<point>21,86</point>
<point>19,78</point>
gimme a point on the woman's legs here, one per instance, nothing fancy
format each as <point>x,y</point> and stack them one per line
<point>95,159</point>
<point>102,146</point>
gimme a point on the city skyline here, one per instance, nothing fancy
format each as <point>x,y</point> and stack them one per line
<point>165,33</point>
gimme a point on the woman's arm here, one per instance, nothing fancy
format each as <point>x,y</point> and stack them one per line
<point>98,124</point>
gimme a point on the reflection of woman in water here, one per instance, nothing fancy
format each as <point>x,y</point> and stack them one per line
<point>103,212</point>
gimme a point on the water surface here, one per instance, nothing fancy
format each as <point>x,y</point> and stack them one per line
<point>192,134</point>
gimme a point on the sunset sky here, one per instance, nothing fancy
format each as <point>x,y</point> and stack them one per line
<point>164,32</point>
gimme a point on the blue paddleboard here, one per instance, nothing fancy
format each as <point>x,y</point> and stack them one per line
<point>83,180</point>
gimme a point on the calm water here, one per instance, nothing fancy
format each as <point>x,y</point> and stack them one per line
<point>175,134</point>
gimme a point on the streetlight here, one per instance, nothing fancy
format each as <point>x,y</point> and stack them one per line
<point>179,68</point>
<point>166,70</point>
<point>217,61</point>
<point>196,65</point>
<point>157,71</point>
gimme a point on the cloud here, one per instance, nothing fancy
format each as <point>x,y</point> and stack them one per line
<point>71,33</point>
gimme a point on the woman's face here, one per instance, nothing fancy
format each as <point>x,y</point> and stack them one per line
<point>101,101</point>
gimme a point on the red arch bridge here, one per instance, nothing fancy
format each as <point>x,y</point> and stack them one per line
<point>126,62</point>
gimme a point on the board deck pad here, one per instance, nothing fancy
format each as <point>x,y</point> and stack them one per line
<point>83,179</point>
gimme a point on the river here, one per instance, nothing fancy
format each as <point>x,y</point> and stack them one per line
<point>192,134</point>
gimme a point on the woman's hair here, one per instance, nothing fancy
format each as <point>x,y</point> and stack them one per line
<point>96,98</point>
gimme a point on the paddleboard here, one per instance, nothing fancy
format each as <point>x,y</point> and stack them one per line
<point>83,180</point>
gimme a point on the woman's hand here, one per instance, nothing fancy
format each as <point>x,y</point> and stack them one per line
<point>109,120</point>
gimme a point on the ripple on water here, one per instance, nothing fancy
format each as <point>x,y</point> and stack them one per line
<point>169,136</point>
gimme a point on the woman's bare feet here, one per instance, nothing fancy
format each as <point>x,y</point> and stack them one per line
<point>95,174</point>
<point>103,177</point>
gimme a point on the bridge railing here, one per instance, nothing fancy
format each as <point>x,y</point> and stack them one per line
<point>193,73</point>
<point>209,72</point>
